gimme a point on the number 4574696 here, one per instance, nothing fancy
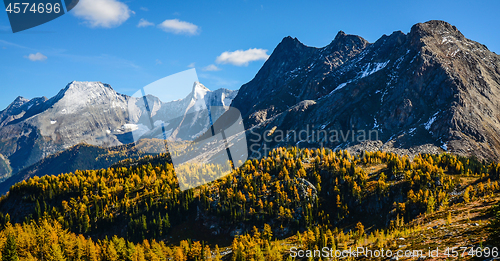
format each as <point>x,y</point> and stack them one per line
<point>27,7</point>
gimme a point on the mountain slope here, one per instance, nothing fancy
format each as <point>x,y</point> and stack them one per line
<point>429,88</point>
<point>84,157</point>
<point>292,74</point>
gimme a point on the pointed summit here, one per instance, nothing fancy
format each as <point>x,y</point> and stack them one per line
<point>199,91</point>
<point>290,43</point>
<point>199,86</point>
<point>290,39</point>
<point>343,40</point>
<point>339,35</point>
<point>435,27</point>
<point>18,102</point>
<point>21,98</point>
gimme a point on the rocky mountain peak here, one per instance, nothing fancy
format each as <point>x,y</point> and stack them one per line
<point>343,38</point>
<point>343,41</point>
<point>340,34</point>
<point>199,93</point>
<point>197,86</point>
<point>290,40</point>
<point>13,110</point>
<point>290,43</point>
<point>18,102</point>
<point>434,29</point>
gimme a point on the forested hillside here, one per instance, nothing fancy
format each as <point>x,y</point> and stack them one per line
<point>294,197</point>
<point>86,157</point>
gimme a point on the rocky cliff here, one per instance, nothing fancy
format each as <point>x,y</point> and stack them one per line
<point>429,90</point>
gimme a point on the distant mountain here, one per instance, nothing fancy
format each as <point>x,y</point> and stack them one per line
<point>183,119</point>
<point>95,114</point>
<point>430,90</point>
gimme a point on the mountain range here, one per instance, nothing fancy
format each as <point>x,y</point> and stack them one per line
<point>430,90</point>
<point>95,114</point>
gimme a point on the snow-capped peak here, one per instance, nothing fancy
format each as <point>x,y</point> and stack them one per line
<point>199,93</point>
<point>90,87</point>
<point>82,94</point>
<point>199,90</point>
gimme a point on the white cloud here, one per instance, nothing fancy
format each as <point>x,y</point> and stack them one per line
<point>36,57</point>
<point>212,68</point>
<point>144,23</point>
<point>240,57</point>
<point>144,9</point>
<point>158,61</point>
<point>191,65</point>
<point>102,13</point>
<point>179,27</point>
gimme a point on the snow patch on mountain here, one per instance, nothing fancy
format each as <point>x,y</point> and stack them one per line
<point>372,68</point>
<point>340,86</point>
<point>431,120</point>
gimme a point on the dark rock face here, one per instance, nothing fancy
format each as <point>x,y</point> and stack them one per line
<point>431,86</point>
<point>293,73</point>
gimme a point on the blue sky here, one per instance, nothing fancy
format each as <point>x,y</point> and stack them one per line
<point>130,44</point>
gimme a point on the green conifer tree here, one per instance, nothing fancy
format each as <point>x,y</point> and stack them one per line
<point>9,251</point>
